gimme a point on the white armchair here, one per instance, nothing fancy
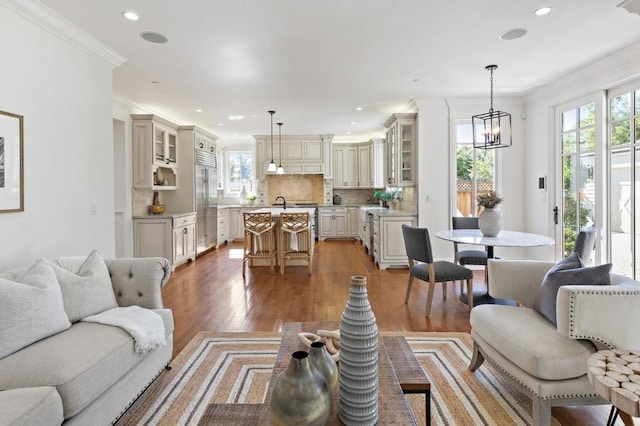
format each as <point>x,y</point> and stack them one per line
<point>548,362</point>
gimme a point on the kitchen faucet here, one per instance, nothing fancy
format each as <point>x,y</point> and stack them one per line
<point>284,202</point>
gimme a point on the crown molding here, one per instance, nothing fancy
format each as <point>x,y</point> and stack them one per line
<point>59,26</point>
<point>612,70</point>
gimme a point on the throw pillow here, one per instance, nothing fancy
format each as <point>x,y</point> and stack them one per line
<point>565,272</point>
<point>31,308</point>
<point>87,292</point>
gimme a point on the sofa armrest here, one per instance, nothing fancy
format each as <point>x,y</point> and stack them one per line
<point>605,314</point>
<point>516,279</point>
<point>139,281</point>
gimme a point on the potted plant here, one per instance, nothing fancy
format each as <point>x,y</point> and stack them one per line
<point>490,219</point>
<point>251,199</point>
<point>378,196</point>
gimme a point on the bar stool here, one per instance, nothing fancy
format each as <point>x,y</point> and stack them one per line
<point>295,225</point>
<point>259,239</point>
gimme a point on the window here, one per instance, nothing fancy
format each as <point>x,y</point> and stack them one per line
<point>624,181</point>
<point>578,139</point>
<point>475,170</point>
<point>239,173</point>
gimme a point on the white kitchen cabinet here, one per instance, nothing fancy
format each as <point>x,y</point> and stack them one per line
<point>221,163</point>
<point>236,221</point>
<point>333,222</point>
<point>378,155</point>
<point>171,237</point>
<point>299,154</point>
<point>353,228</point>
<point>401,143</point>
<point>155,153</point>
<point>345,166</point>
<point>223,226</point>
<point>388,244</point>
<point>364,166</point>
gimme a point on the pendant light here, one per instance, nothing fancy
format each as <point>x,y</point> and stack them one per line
<point>280,168</point>
<point>272,165</point>
<point>491,129</point>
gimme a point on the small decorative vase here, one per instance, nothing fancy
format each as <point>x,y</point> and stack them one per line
<point>490,222</point>
<point>322,360</point>
<point>358,367</point>
<point>300,395</point>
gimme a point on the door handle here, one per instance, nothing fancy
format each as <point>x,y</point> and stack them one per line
<point>555,215</point>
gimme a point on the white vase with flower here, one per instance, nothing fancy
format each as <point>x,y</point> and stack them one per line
<point>490,219</point>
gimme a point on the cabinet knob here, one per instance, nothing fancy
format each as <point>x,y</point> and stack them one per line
<point>184,231</point>
<point>166,160</point>
<point>201,145</point>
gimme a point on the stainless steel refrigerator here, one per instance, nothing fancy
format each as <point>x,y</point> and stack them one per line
<point>206,177</point>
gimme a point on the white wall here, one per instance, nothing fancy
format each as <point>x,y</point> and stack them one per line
<point>65,97</point>
<point>436,159</point>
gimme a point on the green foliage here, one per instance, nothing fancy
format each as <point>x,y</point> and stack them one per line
<point>465,169</point>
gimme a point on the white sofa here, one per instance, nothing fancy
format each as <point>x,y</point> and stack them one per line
<point>87,373</point>
<point>545,361</point>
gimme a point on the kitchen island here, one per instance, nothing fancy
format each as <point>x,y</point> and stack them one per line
<point>280,246</point>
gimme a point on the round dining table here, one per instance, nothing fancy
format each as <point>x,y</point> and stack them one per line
<point>503,239</point>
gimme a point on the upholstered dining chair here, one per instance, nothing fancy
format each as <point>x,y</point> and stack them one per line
<point>468,256</point>
<point>421,266</point>
<point>259,239</point>
<point>297,226</point>
<point>585,242</point>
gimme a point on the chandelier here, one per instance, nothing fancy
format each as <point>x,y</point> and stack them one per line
<point>491,129</point>
<point>272,165</point>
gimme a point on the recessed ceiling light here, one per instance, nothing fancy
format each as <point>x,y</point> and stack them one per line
<point>513,34</point>
<point>130,15</point>
<point>153,37</point>
<point>348,133</point>
<point>235,134</point>
<point>220,124</point>
<point>352,123</point>
<point>358,108</point>
<point>236,117</point>
<point>198,110</point>
<point>541,11</point>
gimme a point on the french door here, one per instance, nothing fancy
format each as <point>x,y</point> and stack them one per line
<point>579,171</point>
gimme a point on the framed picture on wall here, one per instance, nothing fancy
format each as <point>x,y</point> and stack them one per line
<point>11,163</point>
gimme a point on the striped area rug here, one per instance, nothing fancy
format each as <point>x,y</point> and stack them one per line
<point>235,368</point>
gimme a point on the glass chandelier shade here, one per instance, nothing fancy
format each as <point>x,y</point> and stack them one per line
<point>272,164</point>
<point>280,168</point>
<point>491,129</point>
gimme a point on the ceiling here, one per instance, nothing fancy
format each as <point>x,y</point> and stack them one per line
<point>314,62</point>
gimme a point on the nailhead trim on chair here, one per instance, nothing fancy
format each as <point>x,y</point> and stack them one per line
<point>572,311</point>
<point>524,385</point>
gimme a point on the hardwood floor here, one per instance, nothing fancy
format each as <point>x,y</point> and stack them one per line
<point>211,295</point>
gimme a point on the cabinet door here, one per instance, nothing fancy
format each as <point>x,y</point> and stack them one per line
<point>152,238</point>
<point>142,155</point>
<point>405,154</point>
<point>165,145</point>
<point>235,223</point>
<point>340,225</point>
<point>345,167</point>
<point>353,222</point>
<point>392,248</point>
<point>392,158</point>
<point>378,164</point>
<point>338,167</point>
<point>292,151</point>
<point>326,224</point>
<point>179,248</point>
<point>189,240</point>
<point>364,167</point>
<point>312,151</point>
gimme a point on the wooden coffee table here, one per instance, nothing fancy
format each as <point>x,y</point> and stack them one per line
<point>399,373</point>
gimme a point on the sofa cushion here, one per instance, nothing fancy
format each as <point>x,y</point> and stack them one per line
<point>568,271</point>
<point>31,406</point>
<point>31,308</point>
<point>81,362</point>
<point>88,290</point>
<point>531,342</point>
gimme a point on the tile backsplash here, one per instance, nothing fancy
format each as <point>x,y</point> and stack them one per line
<point>294,188</point>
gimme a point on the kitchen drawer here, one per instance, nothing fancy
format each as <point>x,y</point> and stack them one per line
<point>334,210</point>
<point>183,220</point>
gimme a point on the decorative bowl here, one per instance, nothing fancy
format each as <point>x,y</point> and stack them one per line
<point>157,208</point>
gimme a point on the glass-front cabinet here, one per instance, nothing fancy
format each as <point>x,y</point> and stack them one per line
<point>155,153</point>
<point>401,142</point>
